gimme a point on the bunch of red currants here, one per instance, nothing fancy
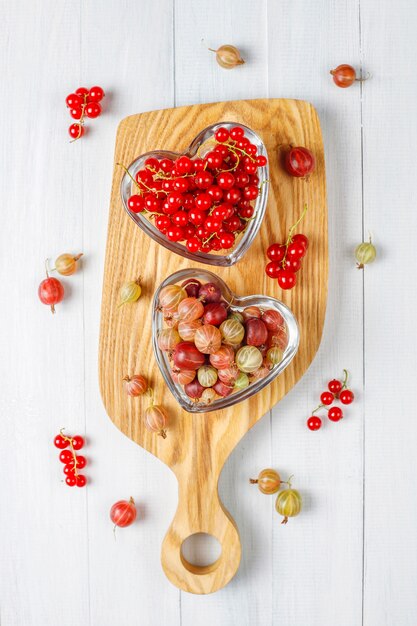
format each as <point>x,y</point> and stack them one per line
<point>337,390</point>
<point>205,202</point>
<point>83,103</point>
<point>72,462</point>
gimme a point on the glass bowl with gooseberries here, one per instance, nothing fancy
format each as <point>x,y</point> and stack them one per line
<point>214,348</point>
<point>212,208</point>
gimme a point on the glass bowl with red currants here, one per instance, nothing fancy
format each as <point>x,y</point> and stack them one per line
<point>214,348</point>
<point>207,203</point>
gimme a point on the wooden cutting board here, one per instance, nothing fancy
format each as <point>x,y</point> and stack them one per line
<point>197,446</point>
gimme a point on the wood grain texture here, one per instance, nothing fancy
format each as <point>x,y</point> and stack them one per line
<point>197,447</point>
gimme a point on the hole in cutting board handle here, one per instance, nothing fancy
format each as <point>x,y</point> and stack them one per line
<point>200,553</point>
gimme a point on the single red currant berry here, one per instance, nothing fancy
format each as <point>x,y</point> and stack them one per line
<point>314,422</point>
<point>261,160</point>
<point>162,222</point>
<point>189,231</point>
<point>203,201</point>
<point>76,131</point>
<point>193,244</point>
<point>326,398</point>
<point>212,224</point>
<point>227,240</point>
<point>286,279</point>
<point>225,180</point>
<point>198,165</point>
<point>69,469</point>
<point>77,442</point>
<point>180,218</point>
<point>204,180</point>
<point>249,166</point>
<point>81,91</point>
<point>242,179</point>
<point>81,462</point>
<point>188,201</point>
<point>251,149</point>
<point>196,216</point>
<point>81,480</point>
<point>215,192</point>
<point>232,224</point>
<point>214,159</point>
<point>272,269</point>
<point>73,101</point>
<point>246,212</point>
<point>221,135</point>
<point>166,165</point>
<point>183,165</point>
<point>335,386</point>
<point>233,195</point>
<point>250,192</point>
<point>346,396</point>
<point>152,164</point>
<point>136,203</point>
<point>65,456</point>
<point>243,143</point>
<point>95,94</point>
<point>299,238</point>
<point>175,233</point>
<point>335,414</point>
<point>292,264</point>
<point>296,250</point>
<point>236,132</point>
<point>76,113</point>
<point>174,199</point>
<point>276,252</point>
<point>93,109</point>
<point>60,442</point>
<point>71,480</point>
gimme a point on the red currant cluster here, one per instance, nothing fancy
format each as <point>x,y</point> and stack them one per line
<point>83,103</point>
<point>206,201</point>
<point>72,462</point>
<point>286,258</point>
<point>336,390</point>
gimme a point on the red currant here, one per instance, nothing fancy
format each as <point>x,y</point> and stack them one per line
<point>250,192</point>
<point>183,165</point>
<point>188,201</point>
<point>81,462</point>
<point>296,250</point>
<point>273,269</point>
<point>215,192</point>
<point>261,160</point>
<point>233,195</point>
<point>73,101</point>
<point>225,180</point>
<point>81,91</point>
<point>214,159</point>
<point>198,165</point>
<point>76,131</point>
<point>95,94</point>
<point>203,201</point>
<point>166,165</point>
<point>246,212</point>
<point>212,224</point>
<point>314,422</point>
<point>236,132</point>
<point>293,264</point>
<point>242,179</point>
<point>152,164</point>
<point>276,252</point>
<point>76,113</point>
<point>180,218</point>
<point>77,442</point>
<point>222,150</point>
<point>152,203</point>
<point>299,238</point>
<point>93,109</point>
<point>69,469</point>
<point>221,134</point>
<point>196,216</point>
<point>65,456</point>
<point>227,240</point>
<point>81,480</point>
<point>335,414</point>
<point>232,224</point>
<point>335,386</point>
<point>175,233</point>
<point>174,199</point>
<point>204,180</point>
<point>193,244</point>
<point>136,203</point>
<point>250,166</point>
<point>162,222</point>
<point>326,398</point>
<point>71,480</point>
<point>60,442</point>
<point>286,279</point>
<point>252,150</point>
<point>189,231</point>
<point>346,396</point>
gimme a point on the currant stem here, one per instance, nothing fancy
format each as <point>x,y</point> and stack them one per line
<point>291,232</point>
<point>320,406</point>
<point>74,456</point>
<point>345,379</point>
<point>131,178</point>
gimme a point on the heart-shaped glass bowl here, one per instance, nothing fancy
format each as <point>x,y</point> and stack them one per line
<point>237,304</point>
<point>201,145</point>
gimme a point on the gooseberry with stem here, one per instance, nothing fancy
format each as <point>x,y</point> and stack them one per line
<point>50,290</point>
<point>268,481</point>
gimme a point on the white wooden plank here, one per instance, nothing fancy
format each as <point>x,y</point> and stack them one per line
<point>200,79</point>
<point>390,136</point>
<point>136,66</point>
<point>43,522</point>
<point>317,575</point>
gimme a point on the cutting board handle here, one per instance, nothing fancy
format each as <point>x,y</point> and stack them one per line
<point>200,510</point>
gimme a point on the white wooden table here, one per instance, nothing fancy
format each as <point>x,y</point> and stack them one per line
<point>351,557</point>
